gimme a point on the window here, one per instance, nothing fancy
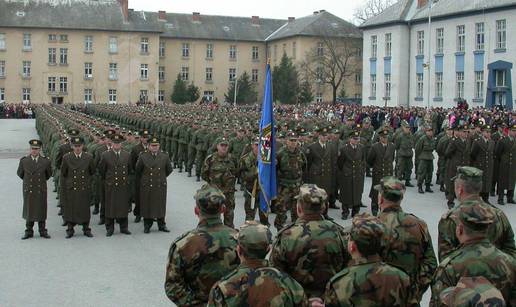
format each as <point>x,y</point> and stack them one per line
<point>63,84</point>
<point>387,85</point>
<point>374,46</point>
<point>439,85</point>
<point>318,97</point>
<point>186,50</point>
<point>209,51</point>
<point>162,49</point>
<point>52,84</point>
<point>2,95</point>
<point>232,52</point>
<point>319,74</point>
<point>232,74</point>
<point>144,96</point>
<point>144,71</point>
<point>208,95</point>
<point>373,85</point>
<point>479,36</point>
<point>419,85</point>
<point>461,38</point>
<point>2,69</point>
<point>209,74</point>
<point>358,78</point>
<point>320,49</point>
<point>88,43</point>
<point>420,42</point>
<point>2,41</point>
<point>184,73</point>
<point>144,45</point>
<point>63,56</point>
<point>113,71</point>
<point>27,44</point>
<point>439,40</point>
<point>500,78</point>
<point>255,53</point>
<point>161,73</point>
<point>479,84</point>
<point>52,38</point>
<point>26,95</point>
<point>460,85</point>
<point>388,44</point>
<point>501,34</point>
<point>52,53</point>
<point>254,75</point>
<point>113,44</point>
<point>63,38</point>
<point>112,96</point>
<point>88,95</point>
<point>161,96</point>
<point>26,69</point>
<point>294,50</point>
<point>88,70</point>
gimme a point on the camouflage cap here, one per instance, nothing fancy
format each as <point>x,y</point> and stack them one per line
<point>311,197</point>
<point>391,186</point>
<point>476,215</point>
<point>209,199</point>
<point>35,143</point>
<point>366,228</point>
<point>468,173</point>
<point>472,291</point>
<point>254,238</point>
<point>405,124</point>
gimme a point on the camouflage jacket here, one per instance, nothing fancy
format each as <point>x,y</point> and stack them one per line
<point>368,282</point>
<point>198,259</point>
<point>254,283</point>
<point>500,232</point>
<point>290,166</point>
<point>477,258</point>
<point>249,171</point>
<point>220,172</point>
<point>407,245</point>
<point>311,250</point>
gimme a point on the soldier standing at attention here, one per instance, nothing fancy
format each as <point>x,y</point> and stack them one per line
<point>135,154</point>
<point>97,156</point>
<point>506,154</point>
<point>220,170</point>
<point>456,156</point>
<point>482,157</point>
<point>63,150</point>
<point>367,140</point>
<point>201,257</point>
<point>114,168</point>
<point>152,169</point>
<point>441,163</point>
<point>425,152</point>
<point>35,170</point>
<point>404,144</point>
<point>264,285</point>
<point>77,170</point>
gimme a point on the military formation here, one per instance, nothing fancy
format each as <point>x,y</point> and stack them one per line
<point>105,159</point>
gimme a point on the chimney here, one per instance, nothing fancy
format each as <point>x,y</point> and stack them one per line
<point>316,12</point>
<point>255,20</point>
<point>196,17</point>
<point>162,15</point>
<point>322,11</point>
<point>421,3</point>
<point>291,19</point>
<point>124,5</point>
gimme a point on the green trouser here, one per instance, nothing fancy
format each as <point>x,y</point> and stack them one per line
<point>57,177</point>
<point>441,170</point>
<point>190,158</point>
<point>425,170</point>
<point>182,152</point>
<point>404,168</point>
<point>199,161</point>
<point>286,201</point>
<point>250,210</point>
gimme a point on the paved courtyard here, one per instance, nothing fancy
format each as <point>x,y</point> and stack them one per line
<point>120,270</point>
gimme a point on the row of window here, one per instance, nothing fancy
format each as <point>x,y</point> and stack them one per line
<point>501,39</point>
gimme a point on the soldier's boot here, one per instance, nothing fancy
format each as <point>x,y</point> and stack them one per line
<point>510,197</point>
<point>420,189</point>
<point>87,230</point>
<point>64,223</point>
<point>374,209</point>
<point>96,209</point>
<point>69,231</point>
<point>29,233</point>
<point>110,227</point>
<point>355,211</point>
<point>109,232</point>
<point>60,211</point>
<point>102,221</point>
<point>162,226</point>
<point>408,184</point>
<point>137,219</point>
<point>198,178</point>
<point>43,232</point>
<point>500,199</point>
<point>428,189</point>
<point>450,204</point>
<point>368,172</point>
<point>442,188</point>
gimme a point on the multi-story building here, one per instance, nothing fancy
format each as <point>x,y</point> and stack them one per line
<point>98,51</point>
<point>463,51</point>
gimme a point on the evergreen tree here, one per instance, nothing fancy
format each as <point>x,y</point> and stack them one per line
<point>305,93</point>
<point>285,81</point>
<point>246,92</point>
<point>192,92</point>
<point>180,91</point>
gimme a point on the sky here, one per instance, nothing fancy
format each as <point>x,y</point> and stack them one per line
<point>280,9</point>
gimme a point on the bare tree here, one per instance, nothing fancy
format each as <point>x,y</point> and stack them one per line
<point>370,9</point>
<point>332,61</point>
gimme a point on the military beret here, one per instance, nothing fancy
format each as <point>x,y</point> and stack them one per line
<point>472,291</point>
<point>254,238</point>
<point>311,197</point>
<point>77,140</point>
<point>366,228</point>
<point>476,215</point>
<point>468,173</point>
<point>117,138</point>
<point>209,199</point>
<point>222,140</point>
<point>391,186</point>
<point>35,143</point>
<point>153,140</point>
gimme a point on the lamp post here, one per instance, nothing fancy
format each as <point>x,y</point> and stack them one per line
<point>428,64</point>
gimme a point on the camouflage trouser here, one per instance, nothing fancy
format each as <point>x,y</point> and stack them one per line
<point>190,158</point>
<point>286,201</point>
<point>425,170</point>
<point>404,168</point>
<point>229,214</point>
<point>250,211</point>
<point>199,160</point>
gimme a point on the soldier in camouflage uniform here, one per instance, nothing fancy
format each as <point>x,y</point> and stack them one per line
<point>425,152</point>
<point>220,170</point>
<point>468,184</point>
<point>368,281</point>
<point>472,291</point>
<point>313,249</point>
<point>202,256</point>
<point>404,144</point>
<point>254,282</point>
<point>407,243</point>
<point>290,164</point>
<point>476,256</point>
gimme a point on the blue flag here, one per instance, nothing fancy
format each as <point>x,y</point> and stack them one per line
<point>267,148</point>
